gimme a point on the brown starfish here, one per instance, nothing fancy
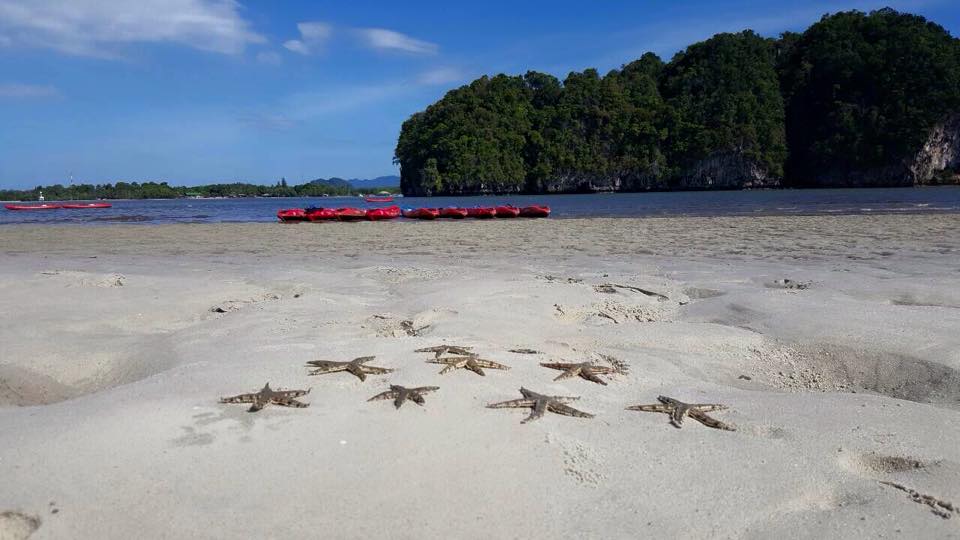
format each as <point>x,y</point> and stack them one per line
<point>441,350</point>
<point>267,395</point>
<point>540,405</point>
<point>399,394</point>
<point>471,362</point>
<point>584,370</point>
<point>678,409</point>
<point>355,366</point>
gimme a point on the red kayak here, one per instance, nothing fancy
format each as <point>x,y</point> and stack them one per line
<point>377,214</point>
<point>421,213</point>
<point>32,206</point>
<point>378,199</point>
<point>537,210</point>
<point>351,214</point>
<point>482,212</point>
<point>455,213</point>
<point>84,206</point>
<point>292,214</point>
<point>320,214</point>
<point>507,211</point>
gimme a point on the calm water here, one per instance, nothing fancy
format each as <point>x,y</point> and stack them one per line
<point>696,203</point>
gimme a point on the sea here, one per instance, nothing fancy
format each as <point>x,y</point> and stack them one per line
<point>922,200</point>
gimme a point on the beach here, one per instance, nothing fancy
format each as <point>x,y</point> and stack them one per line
<point>831,340</point>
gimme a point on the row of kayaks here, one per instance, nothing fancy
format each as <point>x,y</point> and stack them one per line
<point>57,206</point>
<point>391,212</point>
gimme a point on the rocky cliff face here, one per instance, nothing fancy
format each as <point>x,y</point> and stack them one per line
<point>941,153</point>
<point>937,162</point>
<point>726,170</point>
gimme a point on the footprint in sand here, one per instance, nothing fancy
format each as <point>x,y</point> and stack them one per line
<point>17,526</point>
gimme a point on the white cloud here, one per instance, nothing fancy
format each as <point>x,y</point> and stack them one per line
<point>313,36</point>
<point>18,90</point>
<point>98,27</point>
<point>442,75</point>
<point>380,38</point>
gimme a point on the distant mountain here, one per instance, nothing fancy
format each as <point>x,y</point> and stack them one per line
<point>360,183</point>
<point>380,181</point>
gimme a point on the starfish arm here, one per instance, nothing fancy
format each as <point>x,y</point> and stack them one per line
<point>591,376</point>
<point>242,398</point>
<point>328,364</point>
<point>512,404</point>
<point>555,365</point>
<point>669,401</point>
<point>708,407</point>
<point>389,394</point>
<point>650,408</point>
<point>417,398</point>
<point>490,364</point>
<point>257,405</point>
<point>426,389</point>
<point>357,370</point>
<point>539,408</point>
<point>560,408</point>
<point>475,367</point>
<point>572,372</point>
<point>374,370</point>
<point>329,368</point>
<point>709,422</point>
<point>677,414</point>
<point>564,399</point>
<point>284,401</point>
<point>363,359</point>
<point>291,393</point>
<point>402,396</point>
<point>446,368</point>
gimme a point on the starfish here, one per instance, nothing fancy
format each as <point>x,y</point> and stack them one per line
<point>541,404</point>
<point>267,395</point>
<point>471,362</point>
<point>585,370</point>
<point>399,394</point>
<point>678,409</point>
<point>441,350</point>
<point>355,366</point>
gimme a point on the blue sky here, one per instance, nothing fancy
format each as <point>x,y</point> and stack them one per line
<point>196,91</point>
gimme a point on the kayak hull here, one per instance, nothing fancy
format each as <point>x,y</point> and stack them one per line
<point>290,215</point>
<point>20,207</point>
<point>321,214</point>
<point>535,211</point>
<point>453,213</point>
<point>421,213</point>
<point>507,211</point>
<point>482,212</point>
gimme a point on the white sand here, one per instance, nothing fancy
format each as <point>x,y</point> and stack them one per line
<point>110,370</point>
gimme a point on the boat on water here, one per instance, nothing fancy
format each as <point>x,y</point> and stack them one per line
<point>482,212</point>
<point>507,211</point>
<point>535,211</point>
<point>421,213</point>
<point>378,198</point>
<point>377,214</point>
<point>288,215</point>
<point>453,212</point>
<point>44,206</point>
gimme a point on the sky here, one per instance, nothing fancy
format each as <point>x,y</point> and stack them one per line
<point>203,91</point>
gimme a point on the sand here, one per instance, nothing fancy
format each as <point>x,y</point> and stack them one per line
<point>116,343</point>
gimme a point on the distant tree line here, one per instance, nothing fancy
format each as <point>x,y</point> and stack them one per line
<point>850,101</point>
<point>161,190</point>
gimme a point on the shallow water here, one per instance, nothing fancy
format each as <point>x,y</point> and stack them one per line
<point>689,203</point>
